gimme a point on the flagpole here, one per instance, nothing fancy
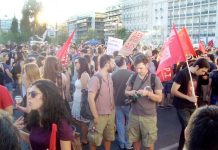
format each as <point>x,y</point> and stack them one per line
<point>192,84</point>
<point>193,90</point>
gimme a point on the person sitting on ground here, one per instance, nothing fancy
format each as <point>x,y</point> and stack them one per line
<point>202,130</point>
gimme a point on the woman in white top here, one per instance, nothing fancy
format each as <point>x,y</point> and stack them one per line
<point>83,71</point>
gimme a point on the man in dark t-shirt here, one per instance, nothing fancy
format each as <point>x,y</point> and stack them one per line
<point>184,97</point>
<point>120,77</point>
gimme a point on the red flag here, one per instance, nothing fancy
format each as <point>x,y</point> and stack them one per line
<point>165,74</point>
<point>52,145</point>
<point>201,47</point>
<point>186,42</point>
<point>172,52</point>
<point>62,54</point>
<point>210,43</point>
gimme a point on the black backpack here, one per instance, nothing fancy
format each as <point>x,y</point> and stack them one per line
<point>85,111</point>
<point>214,83</point>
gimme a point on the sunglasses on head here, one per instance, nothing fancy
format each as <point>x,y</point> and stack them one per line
<point>32,94</point>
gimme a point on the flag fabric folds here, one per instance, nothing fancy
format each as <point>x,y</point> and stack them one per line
<point>53,137</point>
<point>172,52</point>
<point>201,47</point>
<point>62,54</point>
<point>210,43</point>
<point>186,42</point>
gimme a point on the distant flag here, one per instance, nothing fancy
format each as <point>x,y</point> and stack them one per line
<point>186,42</point>
<point>172,52</point>
<point>201,47</point>
<point>62,54</point>
<point>53,137</point>
<point>210,43</point>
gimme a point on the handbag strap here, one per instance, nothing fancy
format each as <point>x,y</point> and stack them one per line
<point>98,92</point>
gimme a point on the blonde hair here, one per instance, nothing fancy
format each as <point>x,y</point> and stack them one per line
<point>32,72</point>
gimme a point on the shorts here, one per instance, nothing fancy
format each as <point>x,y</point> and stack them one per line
<point>104,129</point>
<point>142,129</point>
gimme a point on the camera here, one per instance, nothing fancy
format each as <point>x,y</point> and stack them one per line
<point>132,99</point>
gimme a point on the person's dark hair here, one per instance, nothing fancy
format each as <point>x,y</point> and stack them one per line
<point>201,63</point>
<point>84,67</point>
<point>43,54</point>
<point>20,56</point>
<point>212,57</point>
<point>88,58</point>
<point>99,50</point>
<point>202,129</point>
<point>119,60</point>
<point>104,60</point>
<point>140,59</point>
<point>115,53</point>
<point>198,52</point>
<point>84,50</point>
<point>9,135</point>
<point>53,109</point>
<point>39,60</point>
<point>52,68</point>
<point>53,71</point>
<point>155,52</point>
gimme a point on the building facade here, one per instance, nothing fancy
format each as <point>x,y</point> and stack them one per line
<point>112,21</point>
<point>159,21</point>
<point>87,26</point>
<point>5,24</point>
<point>147,16</point>
<point>199,16</point>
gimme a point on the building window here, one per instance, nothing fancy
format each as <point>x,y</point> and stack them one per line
<point>212,18</point>
<point>204,9</point>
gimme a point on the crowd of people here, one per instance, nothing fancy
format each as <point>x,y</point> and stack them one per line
<point>101,94</point>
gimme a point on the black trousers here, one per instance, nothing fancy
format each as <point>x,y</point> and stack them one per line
<point>184,116</point>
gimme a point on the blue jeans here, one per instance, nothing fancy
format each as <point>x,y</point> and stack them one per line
<point>122,118</point>
<point>214,99</point>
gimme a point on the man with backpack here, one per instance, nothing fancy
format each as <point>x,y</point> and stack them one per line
<point>144,90</point>
<point>102,126</point>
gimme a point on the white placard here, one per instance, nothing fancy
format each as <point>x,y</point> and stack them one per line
<point>113,45</point>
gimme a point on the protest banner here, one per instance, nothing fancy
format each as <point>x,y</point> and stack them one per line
<point>114,44</point>
<point>131,43</point>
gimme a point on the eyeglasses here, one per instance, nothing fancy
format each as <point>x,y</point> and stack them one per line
<point>32,94</point>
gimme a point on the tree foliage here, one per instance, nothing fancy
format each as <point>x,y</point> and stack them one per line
<point>61,35</point>
<point>14,25</point>
<point>122,34</point>
<point>12,35</point>
<point>29,24</point>
<point>92,34</point>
